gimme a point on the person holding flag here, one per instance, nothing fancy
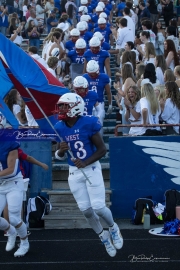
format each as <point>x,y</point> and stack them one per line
<point>80,136</point>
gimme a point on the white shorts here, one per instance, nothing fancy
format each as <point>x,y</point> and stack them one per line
<point>11,193</point>
<point>87,195</point>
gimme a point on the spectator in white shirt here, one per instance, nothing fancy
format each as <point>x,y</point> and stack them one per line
<point>52,66</point>
<point>33,53</point>
<point>32,17</point>
<point>134,16</point>
<point>24,8</point>
<point>161,66</point>
<point>150,110</point>
<point>171,34</point>
<point>124,34</point>
<point>147,26</point>
<point>170,107</point>
<point>130,23</point>
<point>129,46</point>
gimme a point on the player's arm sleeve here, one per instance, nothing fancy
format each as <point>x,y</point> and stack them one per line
<point>106,80</point>
<point>95,126</point>
<point>14,146</point>
<point>58,131</point>
<point>22,155</point>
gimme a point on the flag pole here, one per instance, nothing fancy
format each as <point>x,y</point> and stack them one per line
<point>69,151</point>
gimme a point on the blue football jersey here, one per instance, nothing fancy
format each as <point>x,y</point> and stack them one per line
<point>95,18</point>
<point>87,36</point>
<point>97,85</point>
<point>105,32</point>
<point>107,24</point>
<point>90,26</point>
<point>90,100</point>
<point>79,136</point>
<point>69,45</point>
<point>109,6</point>
<point>5,148</point>
<point>100,57</point>
<point>75,58</point>
<point>105,46</point>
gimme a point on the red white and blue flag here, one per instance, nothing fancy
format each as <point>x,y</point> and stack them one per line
<point>25,72</point>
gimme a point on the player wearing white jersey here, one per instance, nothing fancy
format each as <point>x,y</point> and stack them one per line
<point>11,193</point>
<point>80,135</point>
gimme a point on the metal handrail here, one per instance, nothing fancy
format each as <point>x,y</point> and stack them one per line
<point>141,125</point>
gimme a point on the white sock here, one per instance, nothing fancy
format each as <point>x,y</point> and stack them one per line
<point>114,227</point>
<point>3,224</point>
<point>22,231</point>
<point>24,242</point>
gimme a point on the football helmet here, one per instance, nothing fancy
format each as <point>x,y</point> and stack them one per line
<point>92,69</point>
<point>85,18</point>
<point>80,86</point>
<point>98,9</point>
<point>102,23</point>
<point>95,45</point>
<point>99,35</point>
<point>103,15</point>
<point>80,46</point>
<point>101,4</point>
<point>83,10</point>
<point>84,2</point>
<point>82,27</point>
<point>69,106</point>
<point>75,34</point>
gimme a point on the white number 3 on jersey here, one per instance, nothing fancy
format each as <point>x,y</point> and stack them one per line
<point>81,151</point>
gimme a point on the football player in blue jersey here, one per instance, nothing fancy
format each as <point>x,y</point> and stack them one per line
<point>96,53</point>
<point>88,5</point>
<point>77,55</point>
<point>103,15</point>
<point>99,82</point>
<point>80,86</point>
<point>87,18</point>
<point>98,11</point>
<point>84,33</point>
<point>82,10</point>
<point>104,30</point>
<point>104,45</point>
<point>101,4</point>
<point>74,36</point>
<point>80,135</point>
<point>11,193</point>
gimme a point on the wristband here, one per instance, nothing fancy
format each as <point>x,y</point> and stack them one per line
<point>58,157</point>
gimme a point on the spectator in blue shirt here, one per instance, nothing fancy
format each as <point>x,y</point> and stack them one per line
<point>120,8</point>
<point>144,11</point>
<point>3,20</point>
<point>52,21</point>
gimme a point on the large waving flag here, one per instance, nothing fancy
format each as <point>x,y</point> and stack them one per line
<point>6,85</point>
<point>25,72</point>
<point>8,114</point>
<point>5,82</point>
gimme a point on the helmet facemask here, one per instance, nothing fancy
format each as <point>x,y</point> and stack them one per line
<point>95,50</point>
<point>80,51</point>
<point>81,91</point>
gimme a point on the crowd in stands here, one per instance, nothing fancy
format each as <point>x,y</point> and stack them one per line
<point>80,39</point>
